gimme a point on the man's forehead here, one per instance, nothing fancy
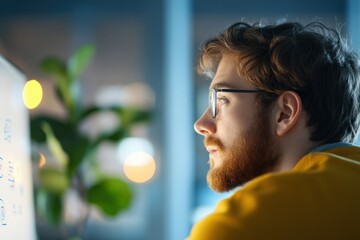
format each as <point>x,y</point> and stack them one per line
<point>227,74</point>
<point>230,81</point>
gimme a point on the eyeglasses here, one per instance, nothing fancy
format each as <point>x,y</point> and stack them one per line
<point>213,104</point>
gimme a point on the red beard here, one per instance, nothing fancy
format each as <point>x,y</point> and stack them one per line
<point>252,154</point>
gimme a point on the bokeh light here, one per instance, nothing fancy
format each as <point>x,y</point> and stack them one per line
<point>42,160</point>
<point>130,145</point>
<point>139,167</point>
<point>32,94</point>
<point>123,95</point>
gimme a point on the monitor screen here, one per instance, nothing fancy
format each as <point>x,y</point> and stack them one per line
<point>17,219</point>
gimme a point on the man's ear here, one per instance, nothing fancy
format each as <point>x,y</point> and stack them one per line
<point>287,112</point>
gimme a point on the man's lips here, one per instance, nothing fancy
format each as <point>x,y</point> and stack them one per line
<point>211,149</point>
<point>213,155</point>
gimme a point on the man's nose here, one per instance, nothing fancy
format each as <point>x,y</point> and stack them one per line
<point>205,124</point>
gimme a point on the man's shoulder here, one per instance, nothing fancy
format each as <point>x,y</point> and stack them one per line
<point>249,212</point>
<point>303,197</point>
<point>345,156</point>
<point>316,175</point>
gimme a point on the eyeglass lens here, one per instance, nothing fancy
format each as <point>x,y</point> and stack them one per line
<point>212,102</point>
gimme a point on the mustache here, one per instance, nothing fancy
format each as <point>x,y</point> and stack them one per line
<point>214,142</point>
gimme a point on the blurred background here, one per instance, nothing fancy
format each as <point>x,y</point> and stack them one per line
<point>146,54</point>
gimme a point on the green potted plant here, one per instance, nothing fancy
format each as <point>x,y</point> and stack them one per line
<point>73,150</point>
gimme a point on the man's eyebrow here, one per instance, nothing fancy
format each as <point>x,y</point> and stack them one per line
<point>221,85</point>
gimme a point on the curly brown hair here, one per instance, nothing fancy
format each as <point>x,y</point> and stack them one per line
<point>313,60</point>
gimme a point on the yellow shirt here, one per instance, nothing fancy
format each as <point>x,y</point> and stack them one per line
<point>318,199</point>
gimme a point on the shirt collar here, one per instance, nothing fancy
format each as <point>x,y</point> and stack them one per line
<point>331,145</point>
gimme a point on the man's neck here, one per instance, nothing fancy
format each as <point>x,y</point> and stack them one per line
<point>293,155</point>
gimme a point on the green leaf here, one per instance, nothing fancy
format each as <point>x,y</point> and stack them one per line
<point>36,132</point>
<point>97,109</point>
<point>73,144</point>
<point>61,129</point>
<point>131,116</point>
<point>53,180</point>
<point>77,148</point>
<point>49,205</point>
<point>113,136</point>
<point>127,115</point>
<point>54,145</point>
<point>80,60</point>
<point>57,68</point>
<point>53,66</point>
<point>111,195</point>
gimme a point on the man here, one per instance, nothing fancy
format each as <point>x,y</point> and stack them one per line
<point>284,111</point>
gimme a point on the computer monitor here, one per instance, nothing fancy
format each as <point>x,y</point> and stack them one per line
<point>17,219</point>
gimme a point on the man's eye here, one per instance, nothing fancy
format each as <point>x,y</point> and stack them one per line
<point>223,100</point>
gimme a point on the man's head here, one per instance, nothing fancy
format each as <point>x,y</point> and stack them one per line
<point>308,79</point>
